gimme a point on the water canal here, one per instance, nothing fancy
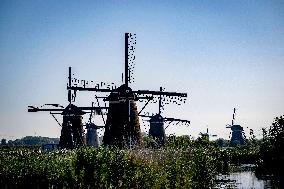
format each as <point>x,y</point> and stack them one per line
<point>241,177</point>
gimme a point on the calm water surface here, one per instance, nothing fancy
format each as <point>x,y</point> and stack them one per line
<point>241,179</point>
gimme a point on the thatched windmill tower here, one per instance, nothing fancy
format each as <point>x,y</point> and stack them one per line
<point>122,126</point>
<point>72,127</point>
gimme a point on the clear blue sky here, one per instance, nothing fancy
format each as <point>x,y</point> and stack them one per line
<point>224,54</point>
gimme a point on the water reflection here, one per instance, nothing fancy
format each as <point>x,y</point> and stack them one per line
<point>241,179</point>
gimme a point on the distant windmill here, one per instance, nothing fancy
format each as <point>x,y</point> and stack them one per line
<point>238,136</point>
<point>157,129</point>
<point>92,138</point>
<point>207,134</point>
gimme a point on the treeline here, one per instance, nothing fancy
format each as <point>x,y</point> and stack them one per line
<point>30,141</point>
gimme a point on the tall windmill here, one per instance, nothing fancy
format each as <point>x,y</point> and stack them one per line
<point>157,121</point>
<point>122,126</point>
<point>238,136</point>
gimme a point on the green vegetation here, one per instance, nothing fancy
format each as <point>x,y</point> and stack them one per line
<point>29,141</point>
<point>193,165</point>
<point>271,155</point>
<point>181,163</point>
<point>267,153</point>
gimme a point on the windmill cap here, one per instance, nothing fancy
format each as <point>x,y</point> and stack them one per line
<point>157,118</point>
<point>72,110</point>
<point>121,92</point>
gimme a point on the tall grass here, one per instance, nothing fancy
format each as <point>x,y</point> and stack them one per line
<point>175,166</point>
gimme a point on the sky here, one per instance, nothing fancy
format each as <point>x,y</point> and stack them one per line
<point>223,54</point>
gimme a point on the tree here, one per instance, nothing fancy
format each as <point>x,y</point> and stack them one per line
<point>222,142</point>
<point>276,132</point>
<point>3,142</point>
<point>271,152</point>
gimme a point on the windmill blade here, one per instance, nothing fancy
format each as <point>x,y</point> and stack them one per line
<point>99,106</point>
<point>91,114</point>
<point>228,126</point>
<point>145,105</point>
<point>130,42</point>
<point>146,116</point>
<point>55,105</point>
<point>168,125</point>
<point>160,93</point>
<point>32,109</point>
<point>56,119</point>
<point>130,39</point>
<point>160,102</point>
<point>178,120</point>
<point>89,89</point>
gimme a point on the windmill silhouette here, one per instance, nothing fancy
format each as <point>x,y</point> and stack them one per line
<point>72,133</point>
<point>238,135</point>
<point>207,134</point>
<point>157,122</point>
<point>122,126</point>
<point>92,138</point>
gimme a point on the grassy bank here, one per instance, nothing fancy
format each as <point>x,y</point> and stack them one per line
<point>175,166</point>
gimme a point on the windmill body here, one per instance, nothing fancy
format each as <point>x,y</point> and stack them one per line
<point>72,127</point>
<point>92,138</point>
<point>157,127</point>
<point>122,125</point>
<point>157,130</point>
<point>237,137</point>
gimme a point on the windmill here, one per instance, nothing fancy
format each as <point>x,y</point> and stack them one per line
<point>72,133</point>
<point>122,126</point>
<point>92,134</point>
<point>238,135</point>
<point>157,121</point>
<point>207,134</point>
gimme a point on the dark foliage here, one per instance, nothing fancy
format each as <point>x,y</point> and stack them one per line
<point>271,152</point>
<point>31,141</point>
